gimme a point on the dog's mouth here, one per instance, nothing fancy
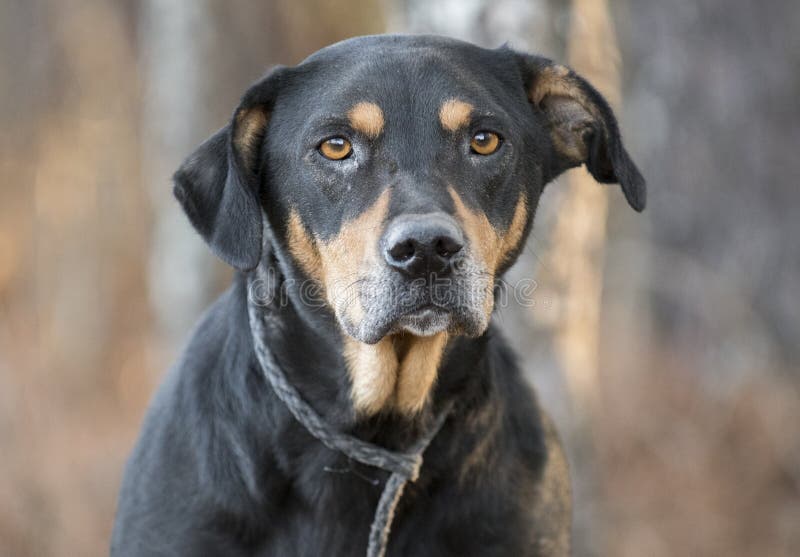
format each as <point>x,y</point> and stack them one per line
<point>424,321</point>
<point>458,308</point>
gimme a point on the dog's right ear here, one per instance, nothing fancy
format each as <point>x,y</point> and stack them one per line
<point>218,184</point>
<point>582,127</point>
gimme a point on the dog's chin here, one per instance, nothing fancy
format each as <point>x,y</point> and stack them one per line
<point>424,322</point>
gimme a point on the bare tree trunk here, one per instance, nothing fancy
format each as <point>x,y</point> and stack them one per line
<point>526,24</point>
<point>576,257</point>
<point>580,232</point>
<point>180,269</point>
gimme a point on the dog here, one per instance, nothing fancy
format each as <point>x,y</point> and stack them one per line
<point>370,199</point>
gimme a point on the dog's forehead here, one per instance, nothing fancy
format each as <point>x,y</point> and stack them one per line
<point>416,98</point>
<point>398,74</point>
<point>393,49</point>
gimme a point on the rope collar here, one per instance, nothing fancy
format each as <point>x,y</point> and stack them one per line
<point>403,466</point>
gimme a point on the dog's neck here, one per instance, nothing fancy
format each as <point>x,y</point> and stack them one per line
<point>320,362</point>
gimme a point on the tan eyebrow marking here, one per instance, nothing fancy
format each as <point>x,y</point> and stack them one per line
<point>454,114</point>
<point>367,118</point>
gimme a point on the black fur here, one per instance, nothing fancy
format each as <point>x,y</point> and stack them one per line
<point>221,468</point>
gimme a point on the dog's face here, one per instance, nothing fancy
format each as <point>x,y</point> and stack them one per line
<point>401,174</point>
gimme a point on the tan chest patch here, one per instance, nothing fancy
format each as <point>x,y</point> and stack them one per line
<point>417,374</point>
<point>373,374</point>
<point>397,373</point>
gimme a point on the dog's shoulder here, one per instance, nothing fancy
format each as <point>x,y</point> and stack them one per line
<point>194,459</point>
<point>523,451</point>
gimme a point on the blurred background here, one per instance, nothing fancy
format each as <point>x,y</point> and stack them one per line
<point>665,344</point>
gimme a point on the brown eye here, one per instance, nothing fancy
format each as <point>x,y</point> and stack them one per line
<point>335,148</point>
<point>485,143</point>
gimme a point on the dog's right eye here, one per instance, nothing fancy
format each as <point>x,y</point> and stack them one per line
<point>485,143</point>
<point>335,148</point>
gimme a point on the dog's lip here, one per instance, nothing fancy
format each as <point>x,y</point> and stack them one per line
<point>428,310</point>
<point>424,321</point>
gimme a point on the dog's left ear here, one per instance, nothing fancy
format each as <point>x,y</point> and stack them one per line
<point>582,127</point>
<point>218,184</point>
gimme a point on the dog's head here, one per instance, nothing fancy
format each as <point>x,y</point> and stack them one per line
<point>401,173</point>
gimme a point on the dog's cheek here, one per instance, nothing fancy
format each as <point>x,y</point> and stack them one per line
<point>492,249</point>
<point>303,249</point>
<point>513,236</point>
<point>347,258</point>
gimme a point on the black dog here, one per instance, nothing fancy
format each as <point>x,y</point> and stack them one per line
<point>370,197</point>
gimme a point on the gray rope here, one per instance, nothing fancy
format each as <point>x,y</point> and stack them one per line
<point>384,515</point>
<point>403,466</point>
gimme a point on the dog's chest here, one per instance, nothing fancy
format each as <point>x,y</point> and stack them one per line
<point>440,521</point>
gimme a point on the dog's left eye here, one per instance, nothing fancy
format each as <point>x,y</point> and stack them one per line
<point>335,148</point>
<point>485,143</point>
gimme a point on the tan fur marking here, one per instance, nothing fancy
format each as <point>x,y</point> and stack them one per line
<point>482,236</point>
<point>491,245</point>
<point>569,144</point>
<point>484,239</point>
<point>396,373</point>
<point>367,118</point>
<point>556,80</point>
<point>250,124</point>
<point>373,373</point>
<point>302,247</point>
<point>569,109</point>
<point>513,236</point>
<point>346,255</point>
<point>418,370</point>
<point>454,114</point>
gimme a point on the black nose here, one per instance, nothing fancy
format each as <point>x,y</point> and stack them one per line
<point>420,245</point>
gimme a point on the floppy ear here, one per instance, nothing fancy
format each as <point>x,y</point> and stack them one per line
<point>218,184</point>
<point>582,127</point>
